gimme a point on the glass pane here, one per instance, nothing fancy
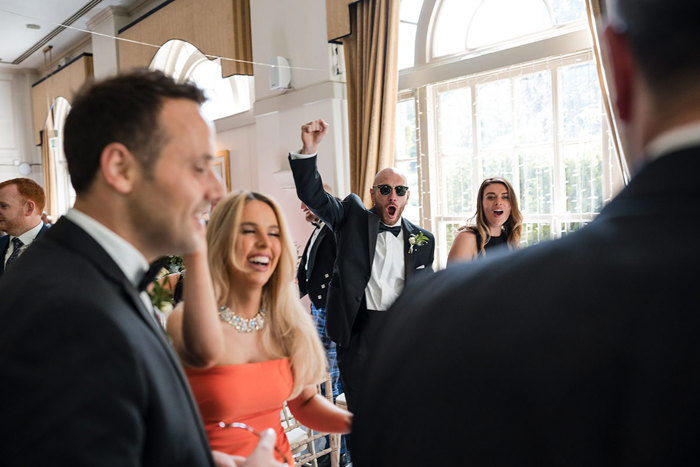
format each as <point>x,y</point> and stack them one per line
<point>535,233</point>
<point>410,10</point>
<point>497,163</point>
<point>405,145</point>
<point>500,20</point>
<point>569,227</point>
<point>533,108</point>
<point>450,31</point>
<point>457,191</point>
<point>450,230</point>
<point>455,121</point>
<point>495,113</point>
<point>410,169</point>
<point>568,10</point>
<point>407,45</point>
<point>536,180</point>
<point>580,102</point>
<point>583,166</point>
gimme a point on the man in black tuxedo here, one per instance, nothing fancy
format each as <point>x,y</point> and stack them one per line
<point>21,205</point>
<point>88,376</point>
<point>580,351</point>
<point>377,255</point>
<point>314,276</point>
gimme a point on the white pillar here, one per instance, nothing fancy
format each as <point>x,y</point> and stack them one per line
<point>106,23</point>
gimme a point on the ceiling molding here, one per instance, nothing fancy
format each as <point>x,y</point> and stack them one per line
<point>45,40</point>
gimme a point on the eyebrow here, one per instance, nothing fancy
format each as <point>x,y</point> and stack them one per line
<point>253,224</point>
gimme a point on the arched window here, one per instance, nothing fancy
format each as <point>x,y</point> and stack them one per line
<point>502,88</point>
<point>62,196</point>
<point>65,194</point>
<point>184,62</point>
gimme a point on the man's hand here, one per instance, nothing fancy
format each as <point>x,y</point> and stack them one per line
<point>263,456</point>
<point>312,134</point>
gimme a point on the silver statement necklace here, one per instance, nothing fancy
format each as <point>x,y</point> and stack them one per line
<point>229,317</point>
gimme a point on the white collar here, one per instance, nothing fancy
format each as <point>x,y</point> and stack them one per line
<point>130,260</point>
<point>394,224</point>
<point>677,138</point>
<point>29,236</point>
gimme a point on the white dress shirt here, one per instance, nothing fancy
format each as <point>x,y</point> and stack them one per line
<point>387,278</point>
<point>130,260</point>
<point>314,236</point>
<point>686,136</point>
<point>27,238</point>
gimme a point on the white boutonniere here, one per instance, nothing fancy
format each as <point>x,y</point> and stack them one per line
<point>159,291</point>
<point>416,240</point>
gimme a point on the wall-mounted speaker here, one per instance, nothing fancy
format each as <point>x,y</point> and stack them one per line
<point>280,73</point>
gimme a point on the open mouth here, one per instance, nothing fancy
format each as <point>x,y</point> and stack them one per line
<point>259,260</point>
<point>498,212</point>
<point>391,210</point>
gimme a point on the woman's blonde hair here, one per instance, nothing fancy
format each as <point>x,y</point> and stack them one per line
<point>288,326</point>
<point>513,226</point>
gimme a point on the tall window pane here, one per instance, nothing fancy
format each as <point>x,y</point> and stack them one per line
<point>454,115</point>
<point>581,118</point>
<point>405,154</point>
<point>533,108</point>
<point>494,102</point>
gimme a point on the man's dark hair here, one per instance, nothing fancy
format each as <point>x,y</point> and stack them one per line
<point>664,36</point>
<point>123,109</point>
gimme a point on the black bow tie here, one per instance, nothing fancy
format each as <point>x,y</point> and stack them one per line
<point>150,275</point>
<point>385,228</point>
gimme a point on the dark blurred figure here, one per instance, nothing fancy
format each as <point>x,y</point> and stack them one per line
<point>582,351</point>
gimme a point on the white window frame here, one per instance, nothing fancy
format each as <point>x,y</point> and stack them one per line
<point>569,40</point>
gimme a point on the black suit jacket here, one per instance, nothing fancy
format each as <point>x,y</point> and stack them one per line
<point>315,279</point>
<point>5,244</point>
<point>88,377</point>
<point>356,230</point>
<point>581,351</point>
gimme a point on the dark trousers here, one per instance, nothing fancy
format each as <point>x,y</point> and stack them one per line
<point>353,358</point>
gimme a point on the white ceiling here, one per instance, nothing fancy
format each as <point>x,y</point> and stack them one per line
<point>16,38</point>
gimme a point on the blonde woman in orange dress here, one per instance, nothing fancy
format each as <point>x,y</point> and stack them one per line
<point>498,222</point>
<point>245,339</point>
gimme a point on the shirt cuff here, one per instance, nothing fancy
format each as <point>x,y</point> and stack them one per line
<point>296,156</point>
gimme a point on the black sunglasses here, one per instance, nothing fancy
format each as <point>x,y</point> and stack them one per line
<point>401,190</point>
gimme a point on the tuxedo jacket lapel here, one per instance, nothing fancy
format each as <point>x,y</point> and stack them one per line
<point>77,240</point>
<point>4,245</point>
<point>408,259</point>
<point>372,232</point>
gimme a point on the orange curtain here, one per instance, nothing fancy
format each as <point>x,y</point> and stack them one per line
<point>371,62</point>
<point>596,11</point>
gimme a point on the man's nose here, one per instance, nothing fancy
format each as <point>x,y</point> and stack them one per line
<point>216,189</point>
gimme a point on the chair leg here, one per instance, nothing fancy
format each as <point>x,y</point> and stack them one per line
<point>335,449</point>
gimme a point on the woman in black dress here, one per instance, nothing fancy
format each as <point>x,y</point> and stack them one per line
<point>498,222</point>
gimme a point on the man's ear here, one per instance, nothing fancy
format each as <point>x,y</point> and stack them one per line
<point>623,72</point>
<point>119,167</point>
<point>29,207</point>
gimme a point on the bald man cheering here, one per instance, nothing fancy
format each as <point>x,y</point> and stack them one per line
<point>378,252</point>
